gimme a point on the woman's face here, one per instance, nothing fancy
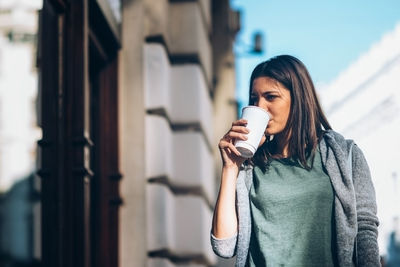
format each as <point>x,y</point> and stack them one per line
<point>273,97</point>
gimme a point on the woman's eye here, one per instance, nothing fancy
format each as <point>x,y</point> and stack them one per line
<point>270,97</point>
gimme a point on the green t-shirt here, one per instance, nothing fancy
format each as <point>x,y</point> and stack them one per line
<point>291,211</point>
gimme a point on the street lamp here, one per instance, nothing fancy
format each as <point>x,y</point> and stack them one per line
<point>256,48</point>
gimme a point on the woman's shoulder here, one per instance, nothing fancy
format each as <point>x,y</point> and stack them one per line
<point>334,136</point>
<point>337,140</point>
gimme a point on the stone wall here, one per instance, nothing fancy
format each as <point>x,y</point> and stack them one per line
<point>172,91</point>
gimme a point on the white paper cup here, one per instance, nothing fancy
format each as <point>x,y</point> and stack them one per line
<point>257,120</point>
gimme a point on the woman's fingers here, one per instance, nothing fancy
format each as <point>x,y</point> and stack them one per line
<point>229,147</point>
<point>234,135</point>
<point>236,132</point>
<point>240,129</point>
<point>241,122</point>
<point>223,144</point>
<point>234,150</point>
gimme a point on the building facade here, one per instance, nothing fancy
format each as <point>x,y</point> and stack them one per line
<point>19,198</point>
<point>128,100</point>
<point>185,66</point>
<point>363,103</point>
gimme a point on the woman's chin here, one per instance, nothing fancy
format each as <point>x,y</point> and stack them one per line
<point>269,133</point>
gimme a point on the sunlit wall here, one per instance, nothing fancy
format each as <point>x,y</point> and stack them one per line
<point>363,104</point>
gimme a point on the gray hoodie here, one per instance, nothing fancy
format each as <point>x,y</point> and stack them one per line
<point>355,217</point>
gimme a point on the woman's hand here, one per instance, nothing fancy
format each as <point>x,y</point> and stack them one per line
<point>225,220</point>
<point>230,155</point>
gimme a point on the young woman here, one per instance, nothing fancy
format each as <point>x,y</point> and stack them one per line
<point>306,197</point>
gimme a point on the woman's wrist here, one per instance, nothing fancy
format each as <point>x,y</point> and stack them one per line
<point>230,167</point>
<point>230,171</point>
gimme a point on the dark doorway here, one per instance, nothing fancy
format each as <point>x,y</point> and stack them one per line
<point>79,148</point>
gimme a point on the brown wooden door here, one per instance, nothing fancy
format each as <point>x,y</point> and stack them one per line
<point>79,148</point>
<point>104,162</point>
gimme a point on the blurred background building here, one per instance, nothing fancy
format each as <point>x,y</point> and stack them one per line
<point>110,113</point>
<point>363,104</point>
<point>19,198</point>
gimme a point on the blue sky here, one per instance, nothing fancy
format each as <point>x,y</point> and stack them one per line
<point>326,35</point>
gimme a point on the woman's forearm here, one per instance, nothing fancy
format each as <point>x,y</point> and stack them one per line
<point>225,218</point>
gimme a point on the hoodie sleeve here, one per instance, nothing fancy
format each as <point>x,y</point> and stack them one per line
<point>224,247</point>
<point>238,244</point>
<point>367,221</point>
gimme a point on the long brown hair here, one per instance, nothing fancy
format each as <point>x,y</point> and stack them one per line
<point>306,122</point>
